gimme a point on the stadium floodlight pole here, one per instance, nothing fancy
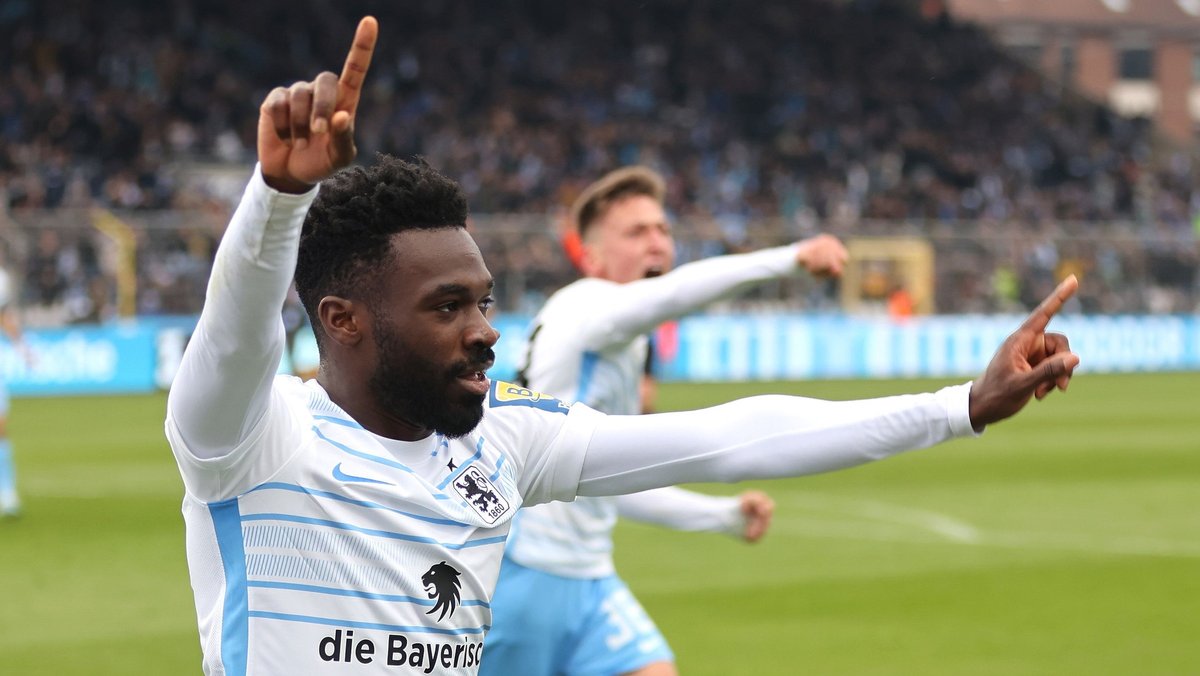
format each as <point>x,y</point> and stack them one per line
<point>359,518</point>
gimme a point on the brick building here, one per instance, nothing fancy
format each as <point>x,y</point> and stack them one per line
<point>1141,57</point>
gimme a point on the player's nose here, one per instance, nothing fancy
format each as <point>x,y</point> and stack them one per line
<point>483,334</point>
<point>660,243</point>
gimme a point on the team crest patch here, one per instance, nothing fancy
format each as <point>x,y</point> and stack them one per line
<point>481,494</point>
<point>508,394</point>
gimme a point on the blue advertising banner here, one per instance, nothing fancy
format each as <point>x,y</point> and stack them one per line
<point>143,355</point>
<point>788,347</point>
<point>84,360</point>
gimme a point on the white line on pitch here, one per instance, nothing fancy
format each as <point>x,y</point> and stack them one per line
<point>944,525</point>
<point>894,523</point>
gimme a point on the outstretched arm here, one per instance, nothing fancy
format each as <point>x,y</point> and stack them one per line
<point>629,310</point>
<point>305,133</point>
<point>779,436</point>
<point>746,516</point>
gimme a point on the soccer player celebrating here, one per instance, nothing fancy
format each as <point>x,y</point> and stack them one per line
<point>10,502</point>
<point>589,344</point>
<point>355,523</point>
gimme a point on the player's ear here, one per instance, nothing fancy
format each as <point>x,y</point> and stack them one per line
<point>342,319</point>
<point>591,263</point>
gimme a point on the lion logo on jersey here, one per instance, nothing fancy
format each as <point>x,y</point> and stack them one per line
<point>481,495</point>
<point>478,492</point>
<point>441,584</point>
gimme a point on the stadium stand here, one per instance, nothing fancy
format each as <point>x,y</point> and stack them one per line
<point>860,118</point>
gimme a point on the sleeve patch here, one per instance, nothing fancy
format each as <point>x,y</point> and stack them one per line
<point>508,394</point>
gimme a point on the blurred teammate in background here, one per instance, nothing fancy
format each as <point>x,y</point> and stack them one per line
<point>300,355</point>
<point>355,523</point>
<point>10,323</point>
<point>590,344</point>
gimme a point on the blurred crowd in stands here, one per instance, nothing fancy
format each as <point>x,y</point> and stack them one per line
<point>771,120</point>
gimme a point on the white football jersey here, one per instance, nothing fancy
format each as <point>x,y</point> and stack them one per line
<point>575,539</point>
<point>330,550</point>
<point>6,288</point>
<point>589,344</point>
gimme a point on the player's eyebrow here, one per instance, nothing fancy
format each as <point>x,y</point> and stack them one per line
<point>650,224</point>
<point>456,289</point>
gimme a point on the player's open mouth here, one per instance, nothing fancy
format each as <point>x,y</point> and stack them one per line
<point>653,272</point>
<point>475,382</point>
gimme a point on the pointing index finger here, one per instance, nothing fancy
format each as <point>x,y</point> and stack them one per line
<point>357,62</point>
<point>1045,311</point>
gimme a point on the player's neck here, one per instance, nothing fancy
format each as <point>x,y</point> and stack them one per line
<point>364,408</point>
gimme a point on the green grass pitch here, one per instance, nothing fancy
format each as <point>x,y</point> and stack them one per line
<point>1064,542</point>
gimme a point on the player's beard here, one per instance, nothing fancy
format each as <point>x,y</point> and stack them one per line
<point>417,390</point>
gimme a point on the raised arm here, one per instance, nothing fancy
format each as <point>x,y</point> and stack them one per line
<point>630,310</point>
<point>779,436</point>
<point>305,133</point>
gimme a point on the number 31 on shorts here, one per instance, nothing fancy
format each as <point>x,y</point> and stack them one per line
<point>627,618</point>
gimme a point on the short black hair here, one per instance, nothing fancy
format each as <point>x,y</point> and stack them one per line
<point>346,236</point>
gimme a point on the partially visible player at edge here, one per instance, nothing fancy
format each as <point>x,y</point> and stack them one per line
<point>10,323</point>
<point>589,344</point>
<point>355,523</point>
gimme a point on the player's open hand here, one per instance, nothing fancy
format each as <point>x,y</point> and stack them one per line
<point>822,256</point>
<point>1030,363</point>
<point>757,509</point>
<point>306,131</point>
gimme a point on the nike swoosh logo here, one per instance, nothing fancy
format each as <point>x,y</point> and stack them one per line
<point>350,478</point>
